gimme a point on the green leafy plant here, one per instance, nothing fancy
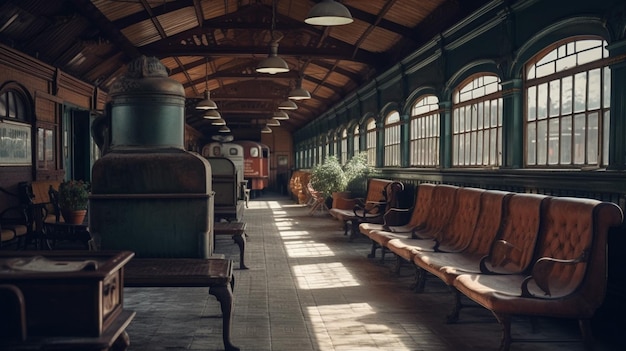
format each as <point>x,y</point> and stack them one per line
<point>74,195</point>
<point>357,170</point>
<point>328,177</point>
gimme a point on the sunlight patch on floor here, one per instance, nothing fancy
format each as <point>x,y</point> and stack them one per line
<point>301,248</point>
<point>352,326</point>
<point>323,276</point>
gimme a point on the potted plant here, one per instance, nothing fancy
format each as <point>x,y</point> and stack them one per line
<point>73,200</point>
<point>328,177</point>
<point>336,181</point>
<point>357,171</point>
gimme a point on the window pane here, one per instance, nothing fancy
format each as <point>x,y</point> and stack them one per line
<point>531,144</point>
<point>579,139</point>
<point>606,87</point>
<point>554,99</point>
<point>542,101</point>
<point>542,142</point>
<point>580,91</point>
<point>553,143</point>
<point>566,100</point>
<point>595,89</point>
<point>531,103</point>
<point>566,139</point>
<point>592,138</point>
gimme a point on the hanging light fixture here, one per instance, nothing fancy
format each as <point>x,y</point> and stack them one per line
<point>211,114</point>
<point>266,130</point>
<point>328,13</point>
<point>224,129</point>
<point>273,64</point>
<point>273,123</point>
<point>206,103</point>
<point>280,115</point>
<point>298,93</point>
<point>219,122</point>
<point>287,105</point>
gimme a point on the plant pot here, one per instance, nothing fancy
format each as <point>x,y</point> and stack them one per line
<point>339,195</point>
<point>74,216</point>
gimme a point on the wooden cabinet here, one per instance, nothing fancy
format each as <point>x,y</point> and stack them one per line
<point>67,294</point>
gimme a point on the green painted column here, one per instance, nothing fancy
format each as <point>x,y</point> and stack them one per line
<point>405,140</point>
<point>617,134</point>
<point>445,138</point>
<point>512,124</point>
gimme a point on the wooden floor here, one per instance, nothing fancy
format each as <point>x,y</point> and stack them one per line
<point>308,288</point>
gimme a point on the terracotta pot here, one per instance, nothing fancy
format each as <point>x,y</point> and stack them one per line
<point>339,194</point>
<point>74,216</point>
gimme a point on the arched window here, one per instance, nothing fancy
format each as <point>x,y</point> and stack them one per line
<point>392,139</point>
<point>15,129</point>
<point>424,132</point>
<point>477,123</point>
<point>343,147</point>
<point>568,105</point>
<point>371,141</point>
<point>13,106</point>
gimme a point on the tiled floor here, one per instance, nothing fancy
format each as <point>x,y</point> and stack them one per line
<point>309,288</point>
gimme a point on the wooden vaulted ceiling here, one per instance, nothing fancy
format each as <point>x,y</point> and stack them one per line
<point>218,43</point>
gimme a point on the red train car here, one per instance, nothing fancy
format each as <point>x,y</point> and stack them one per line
<point>256,168</point>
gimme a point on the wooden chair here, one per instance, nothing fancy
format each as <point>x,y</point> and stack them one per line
<point>316,201</point>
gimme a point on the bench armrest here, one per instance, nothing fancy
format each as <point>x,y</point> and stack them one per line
<point>542,270</point>
<point>502,253</point>
<point>396,216</point>
<point>370,207</point>
<point>14,215</point>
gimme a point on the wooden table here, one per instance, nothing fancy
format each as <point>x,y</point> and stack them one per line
<point>217,274</point>
<point>237,230</point>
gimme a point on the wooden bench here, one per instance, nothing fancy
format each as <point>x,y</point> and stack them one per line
<point>216,274</point>
<point>297,186</point>
<point>237,231</point>
<point>381,195</point>
<point>512,253</point>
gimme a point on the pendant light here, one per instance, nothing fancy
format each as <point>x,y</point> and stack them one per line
<point>266,130</point>
<point>287,105</point>
<point>273,123</point>
<point>224,129</point>
<point>219,122</point>
<point>298,93</point>
<point>211,114</point>
<point>206,103</point>
<point>328,13</point>
<point>273,64</point>
<point>280,115</point>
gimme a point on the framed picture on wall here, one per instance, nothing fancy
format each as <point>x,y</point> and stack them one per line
<point>15,144</point>
<point>282,160</point>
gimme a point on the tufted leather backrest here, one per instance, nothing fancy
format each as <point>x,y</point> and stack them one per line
<point>519,231</point>
<point>459,230</point>
<point>492,203</point>
<point>441,208</point>
<point>422,204</point>
<point>376,193</point>
<point>567,232</point>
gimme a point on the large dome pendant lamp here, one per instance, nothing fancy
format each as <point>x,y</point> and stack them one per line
<point>273,64</point>
<point>328,13</point>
